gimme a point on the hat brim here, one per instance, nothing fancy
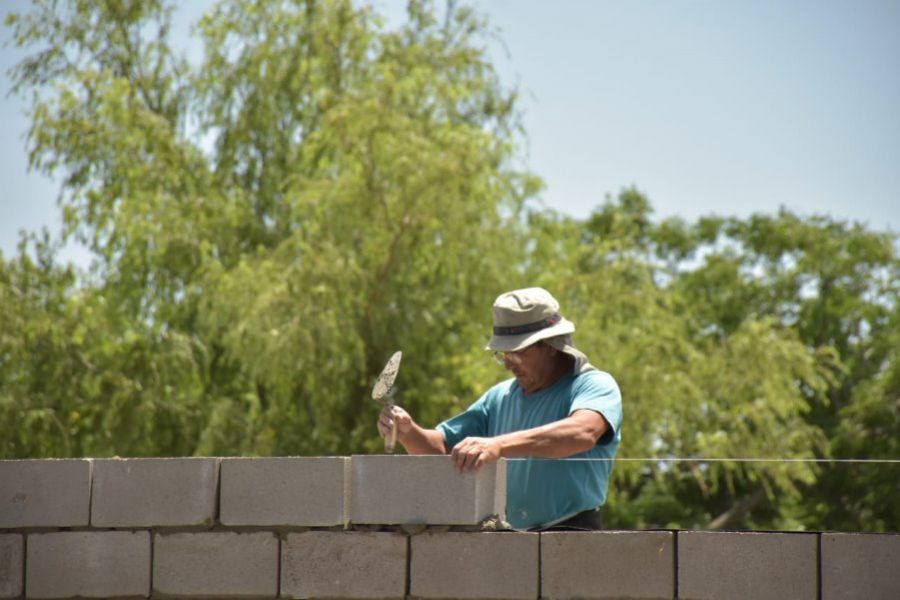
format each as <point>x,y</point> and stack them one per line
<point>512,343</point>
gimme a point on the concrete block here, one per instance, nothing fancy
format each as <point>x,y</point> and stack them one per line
<point>153,492</point>
<point>305,491</point>
<point>332,564</point>
<point>44,493</point>
<point>12,547</point>
<point>860,565</point>
<point>722,565</point>
<point>91,564</point>
<point>474,565</point>
<point>424,489</point>
<point>236,565</point>
<point>608,564</point>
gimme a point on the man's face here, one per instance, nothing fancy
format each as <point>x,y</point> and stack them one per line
<point>533,366</point>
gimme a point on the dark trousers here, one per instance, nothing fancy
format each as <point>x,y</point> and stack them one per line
<point>588,520</point>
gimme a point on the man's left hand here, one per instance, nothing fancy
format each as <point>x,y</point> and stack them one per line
<point>474,452</point>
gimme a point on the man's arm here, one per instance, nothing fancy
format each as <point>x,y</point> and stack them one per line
<point>576,433</point>
<point>416,439</point>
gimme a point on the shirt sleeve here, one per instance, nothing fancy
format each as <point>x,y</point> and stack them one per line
<point>598,391</point>
<point>472,422</point>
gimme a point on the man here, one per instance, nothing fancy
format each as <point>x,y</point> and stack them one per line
<point>557,406</point>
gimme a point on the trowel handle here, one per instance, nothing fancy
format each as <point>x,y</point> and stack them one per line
<point>391,439</point>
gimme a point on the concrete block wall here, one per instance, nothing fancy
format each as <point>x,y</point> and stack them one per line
<point>373,527</point>
<point>614,564</point>
<point>284,491</point>
<point>714,565</point>
<point>216,563</point>
<point>12,561</point>
<point>93,564</point>
<point>46,493</point>
<point>157,492</point>
<point>328,564</point>
<point>423,489</point>
<point>475,565</point>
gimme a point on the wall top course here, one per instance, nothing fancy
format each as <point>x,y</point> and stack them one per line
<point>4,461</point>
<point>283,491</point>
<point>387,489</point>
<point>44,493</point>
<point>147,492</point>
<point>45,474</point>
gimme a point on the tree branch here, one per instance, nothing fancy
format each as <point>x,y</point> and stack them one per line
<point>738,510</point>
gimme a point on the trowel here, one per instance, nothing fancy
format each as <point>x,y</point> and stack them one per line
<point>383,393</point>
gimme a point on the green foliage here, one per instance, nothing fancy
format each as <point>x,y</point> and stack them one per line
<point>79,378</point>
<point>358,196</point>
<point>835,287</point>
<point>271,223</point>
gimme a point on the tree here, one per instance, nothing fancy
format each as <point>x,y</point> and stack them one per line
<point>359,197</point>
<point>79,378</point>
<point>835,287</point>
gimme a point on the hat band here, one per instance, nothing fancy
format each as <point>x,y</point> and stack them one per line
<point>530,327</point>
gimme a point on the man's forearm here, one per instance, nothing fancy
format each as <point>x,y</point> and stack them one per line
<point>576,433</point>
<point>423,441</point>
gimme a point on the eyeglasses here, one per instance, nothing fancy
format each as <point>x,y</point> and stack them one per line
<point>513,356</point>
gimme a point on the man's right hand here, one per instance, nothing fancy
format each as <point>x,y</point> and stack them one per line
<point>415,439</point>
<point>398,416</point>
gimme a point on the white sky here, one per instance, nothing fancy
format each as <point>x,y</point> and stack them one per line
<point>707,106</point>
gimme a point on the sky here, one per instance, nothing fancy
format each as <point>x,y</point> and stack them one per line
<point>707,106</point>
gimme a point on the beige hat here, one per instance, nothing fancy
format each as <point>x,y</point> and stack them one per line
<point>525,317</point>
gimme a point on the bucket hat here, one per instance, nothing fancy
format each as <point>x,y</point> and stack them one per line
<point>527,316</point>
<point>524,317</point>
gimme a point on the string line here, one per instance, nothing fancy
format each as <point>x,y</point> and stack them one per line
<point>713,460</point>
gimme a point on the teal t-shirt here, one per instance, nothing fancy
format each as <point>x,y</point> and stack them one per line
<point>540,491</point>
